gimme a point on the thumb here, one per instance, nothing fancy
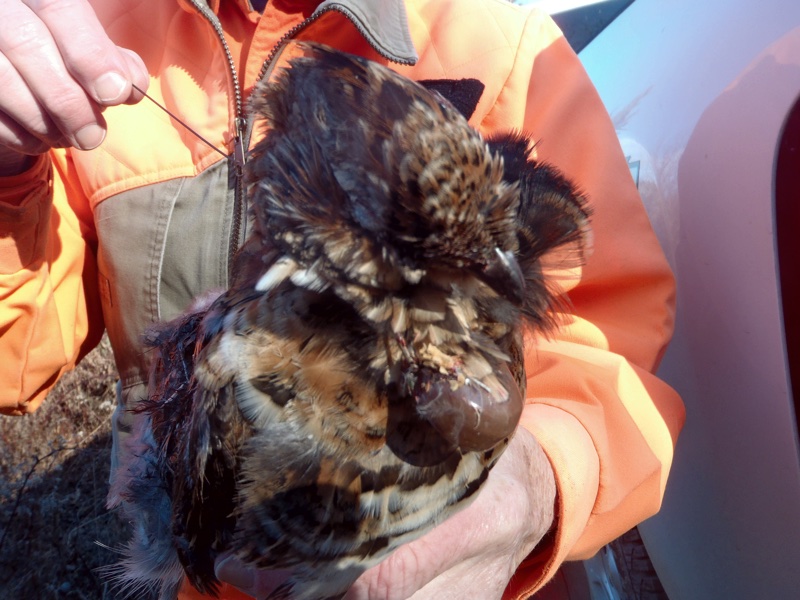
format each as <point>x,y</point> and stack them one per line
<point>455,542</point>
<point>475,552</point>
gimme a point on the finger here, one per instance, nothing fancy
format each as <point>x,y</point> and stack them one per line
<point>476,578</point>
<point>101,68</point>
<point>15,138</point>
<point>27,44</point>
<point>27,127</point>
<point>483,544</point>
<point>413,566</point>
<point>139,75</point>
<point>404,572</point>
<point>18,140</point>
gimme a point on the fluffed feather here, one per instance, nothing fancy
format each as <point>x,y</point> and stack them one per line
<point>362,374</point>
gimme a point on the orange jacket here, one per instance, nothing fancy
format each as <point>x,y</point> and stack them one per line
<point>606,423</point>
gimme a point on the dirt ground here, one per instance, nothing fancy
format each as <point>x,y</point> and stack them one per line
<point>55,531</point>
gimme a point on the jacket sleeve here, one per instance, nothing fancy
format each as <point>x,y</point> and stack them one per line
<point>48,281</point>
<point>607,424</point>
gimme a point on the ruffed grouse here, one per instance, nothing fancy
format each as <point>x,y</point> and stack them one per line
<point>359,378</point>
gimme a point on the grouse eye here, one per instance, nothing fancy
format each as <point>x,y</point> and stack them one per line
<point>503,275</point>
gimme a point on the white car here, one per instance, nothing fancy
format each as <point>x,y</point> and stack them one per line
<point>704,96</point>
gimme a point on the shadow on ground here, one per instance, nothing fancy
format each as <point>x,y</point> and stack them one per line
<point>54,467</point>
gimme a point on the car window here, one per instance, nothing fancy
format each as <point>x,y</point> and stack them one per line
<point>581,20</point>
<point>787,214</point>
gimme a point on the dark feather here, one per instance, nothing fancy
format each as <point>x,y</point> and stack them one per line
<point>553,215</point>
<point>364,371</point>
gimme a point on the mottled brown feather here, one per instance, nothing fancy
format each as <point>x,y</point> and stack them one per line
<point>364,371</point>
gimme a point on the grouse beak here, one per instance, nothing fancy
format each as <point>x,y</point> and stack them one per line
<point>503,275</point>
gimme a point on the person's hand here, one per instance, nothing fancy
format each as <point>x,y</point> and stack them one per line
<point>474,553</point>
<point>471,555</point>
<point>58,70</point>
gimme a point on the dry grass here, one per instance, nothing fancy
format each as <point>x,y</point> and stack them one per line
<point>53,481</point>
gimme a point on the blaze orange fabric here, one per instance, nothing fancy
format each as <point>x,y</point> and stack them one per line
<point>606,422</point>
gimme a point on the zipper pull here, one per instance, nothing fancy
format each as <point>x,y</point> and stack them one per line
<point>239,152</point>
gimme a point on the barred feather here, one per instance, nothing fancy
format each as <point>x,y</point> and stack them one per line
<point>364,371</point>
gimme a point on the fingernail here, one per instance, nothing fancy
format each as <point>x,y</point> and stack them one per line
<point>89,136</point>
<point>109,88</point>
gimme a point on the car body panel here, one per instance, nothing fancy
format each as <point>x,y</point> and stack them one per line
<point>699,93</point>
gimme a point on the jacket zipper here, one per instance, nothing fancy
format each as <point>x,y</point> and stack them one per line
<point>243,123</point>
<point>240,124</point>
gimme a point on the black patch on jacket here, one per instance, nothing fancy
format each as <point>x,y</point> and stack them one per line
<point>463,94</point>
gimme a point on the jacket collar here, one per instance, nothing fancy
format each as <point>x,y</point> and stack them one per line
<point>383,22</point>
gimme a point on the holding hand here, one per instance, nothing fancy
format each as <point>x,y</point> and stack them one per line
<point>471,555</point>
<point>58,70</point>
